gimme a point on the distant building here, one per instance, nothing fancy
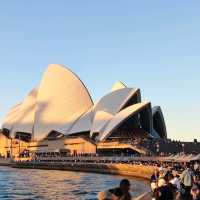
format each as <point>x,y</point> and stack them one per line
<point>59,116</point>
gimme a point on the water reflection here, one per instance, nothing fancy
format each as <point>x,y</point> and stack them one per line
<point>26,184</point>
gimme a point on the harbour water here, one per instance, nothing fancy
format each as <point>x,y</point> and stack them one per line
<point>30,184</point>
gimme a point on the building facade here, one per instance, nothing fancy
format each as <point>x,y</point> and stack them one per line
<point>59,116</point>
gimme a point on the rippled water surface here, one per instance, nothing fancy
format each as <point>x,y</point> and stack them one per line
<point>58,185</point>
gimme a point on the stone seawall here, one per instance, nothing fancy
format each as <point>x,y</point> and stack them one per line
<point>5,162</point>
<point>139,171</point>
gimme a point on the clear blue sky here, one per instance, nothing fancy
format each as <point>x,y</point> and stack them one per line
<point>154,45</point>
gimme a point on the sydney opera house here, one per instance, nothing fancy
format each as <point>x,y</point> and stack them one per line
<point>60,116</point>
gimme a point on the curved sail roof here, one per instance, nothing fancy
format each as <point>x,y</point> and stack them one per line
<point>62,104</point>
<point>24,120</point>
<point>110,105</point>
<point>83,124</point>
<point>120,117</point>
<point>10,117</point>
<point>68,125</point>
<point>62,98</point>
<point>100,120</point>
<point>115,101</point>
<point>118,85</point>
<point>159,122</point>
<point>13,110</point>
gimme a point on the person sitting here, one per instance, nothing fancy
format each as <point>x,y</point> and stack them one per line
<point>122,192</point>
<point>119,193</point>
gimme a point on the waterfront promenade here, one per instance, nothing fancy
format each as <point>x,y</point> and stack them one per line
<point>134,170</point>
<point>141,167</point>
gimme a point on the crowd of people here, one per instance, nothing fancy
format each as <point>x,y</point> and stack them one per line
<point>168,184</point>
<point>170,181</point>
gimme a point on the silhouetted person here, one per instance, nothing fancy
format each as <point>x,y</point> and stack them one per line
<point>155,176</point>
<point>122,192</point>
<point>164,191</point>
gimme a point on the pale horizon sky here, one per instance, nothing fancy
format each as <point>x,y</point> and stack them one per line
<point>152,45</point>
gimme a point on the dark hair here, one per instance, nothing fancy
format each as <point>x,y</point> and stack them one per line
<point>188,165</point>
<point>125,182</point>
<point>170,176</point>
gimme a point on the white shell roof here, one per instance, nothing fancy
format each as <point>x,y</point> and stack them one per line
<point>83,124</point>
<point>110,105</point>
<point>118,85</point>
<point>13,110</point>
<point>68,124</point>
<point>62,98</point>
<point>120,118</point>
<point>24,120</point>
<point>11,116</point>
<point>114,101</point>
<point>100,120</point>
<point>62,103</point>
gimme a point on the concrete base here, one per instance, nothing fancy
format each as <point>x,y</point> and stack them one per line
<point>139,171</point>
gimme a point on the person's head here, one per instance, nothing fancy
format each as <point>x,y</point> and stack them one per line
<point>125,185</point>
<point>161,182</point>
<point>170,177</point>
<point>174,173</point>
<point>195,191</point>
<point>161,172</point>
<point>187,165</point>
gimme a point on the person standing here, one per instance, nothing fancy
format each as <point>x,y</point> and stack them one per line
<point>119,193</point>
<point>176,181</point>
<point>187,181</point>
